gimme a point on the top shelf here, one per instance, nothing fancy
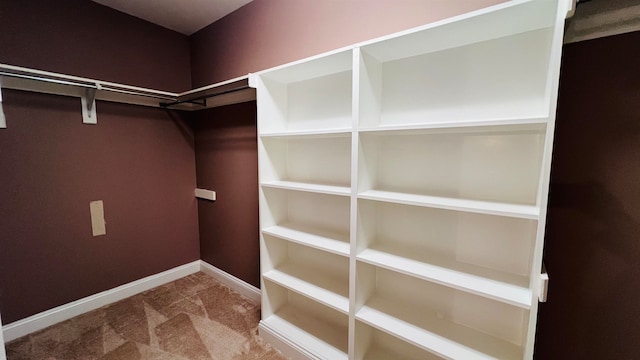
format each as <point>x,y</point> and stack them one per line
<point>314,67</point>
<point>510,18</point>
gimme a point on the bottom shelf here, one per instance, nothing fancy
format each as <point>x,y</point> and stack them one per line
<point>373,344</point>
<point>446,338</point>
<point>319,330</point>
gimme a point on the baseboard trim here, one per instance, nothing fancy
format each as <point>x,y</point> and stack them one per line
<point>64,312</point>
<point>245,289</point>
<point>288,348</point>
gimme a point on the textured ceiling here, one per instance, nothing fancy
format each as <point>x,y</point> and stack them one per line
<point>184,16</point>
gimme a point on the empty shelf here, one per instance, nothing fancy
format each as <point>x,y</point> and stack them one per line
<point>476,206</point>
<point>439,336</point>
<point>315,335</point>
<point>316,188</point>
<point>310,283</point>
<point>501,290</point>
<point>335,243</point>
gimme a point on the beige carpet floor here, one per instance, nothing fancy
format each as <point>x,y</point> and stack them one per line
<point>193,318</point>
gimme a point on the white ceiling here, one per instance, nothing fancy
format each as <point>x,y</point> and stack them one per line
<point>184,16</point>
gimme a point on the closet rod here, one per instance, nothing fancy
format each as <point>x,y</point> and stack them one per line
<point>67,80</point>
<point>194,100</point>
<point>49,80</point>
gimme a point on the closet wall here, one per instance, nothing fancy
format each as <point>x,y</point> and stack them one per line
<point>139,161</point>
<point>592,249</point>
<point>267,33</point>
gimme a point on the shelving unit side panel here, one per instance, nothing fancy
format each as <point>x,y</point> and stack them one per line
<point>370,89</point>
<point>271,100</point>
<point>272,159</point>
<point>553,76</point>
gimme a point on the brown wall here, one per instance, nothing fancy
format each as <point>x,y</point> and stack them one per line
<point>227,162</point>
<point>592,248</point>
<point>138,160</point>
<point>267,33</point>
<point>82,38</point>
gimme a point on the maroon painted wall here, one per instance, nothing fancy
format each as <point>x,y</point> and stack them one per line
<point>227,162</point>
<point>82,38</point>
<point>592,248</point>
<point>138,160</point>
<point>267,33</point>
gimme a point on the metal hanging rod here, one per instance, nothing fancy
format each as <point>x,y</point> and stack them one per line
<point>21,78</point>
<point>204,97</point>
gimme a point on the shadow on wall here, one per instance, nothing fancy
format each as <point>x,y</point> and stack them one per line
<point>227,162</point>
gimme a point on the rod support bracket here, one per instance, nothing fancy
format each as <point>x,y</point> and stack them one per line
<point>88,102</point>
<point>3,119</point>
<point>544,284</point>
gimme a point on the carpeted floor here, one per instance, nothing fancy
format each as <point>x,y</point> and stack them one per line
<point>193,318</point>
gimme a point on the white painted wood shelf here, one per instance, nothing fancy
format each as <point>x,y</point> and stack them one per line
<point>333,293</point>
<point>319,338</point>
<point>509,288</point>
<point>329,241</point>
<point>441,340</point>
<point>309,187</point>
<point>475,206</point>
<point>403,189</point>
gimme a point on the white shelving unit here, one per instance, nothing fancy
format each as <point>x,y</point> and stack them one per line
<point>403,189</point>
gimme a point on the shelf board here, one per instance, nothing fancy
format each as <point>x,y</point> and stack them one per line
<point>316,133</point>
<point>328,291</point>
<point>332,242</point>
<point>475,206</point>
<point>460,126</point>
<point>325,340</point>
<point>316,188</point>
<point>443,337</point>
<point>507,288</point>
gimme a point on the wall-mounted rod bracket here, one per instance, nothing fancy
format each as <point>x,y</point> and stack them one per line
<point>205,194</point>
<point>88,101</point>
<point>544,284</point>
<point>3,119</point>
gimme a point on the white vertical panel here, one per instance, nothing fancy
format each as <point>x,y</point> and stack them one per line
<point>3,354</point>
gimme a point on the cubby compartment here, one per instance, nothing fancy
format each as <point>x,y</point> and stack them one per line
<point>445,321</point>
<point>319,275</point>
<point>316,220</point>
<point>495,164</point>
<point>320,161</point>
<point>307,96</point>
<point>460,72</point>
<point>484,254</point>
<point>373,344</point>
<point>319,330</point>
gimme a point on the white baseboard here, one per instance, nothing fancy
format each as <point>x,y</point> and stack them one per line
<point>288,348</point>
<point>67,311</point>
<point>245,289</point>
